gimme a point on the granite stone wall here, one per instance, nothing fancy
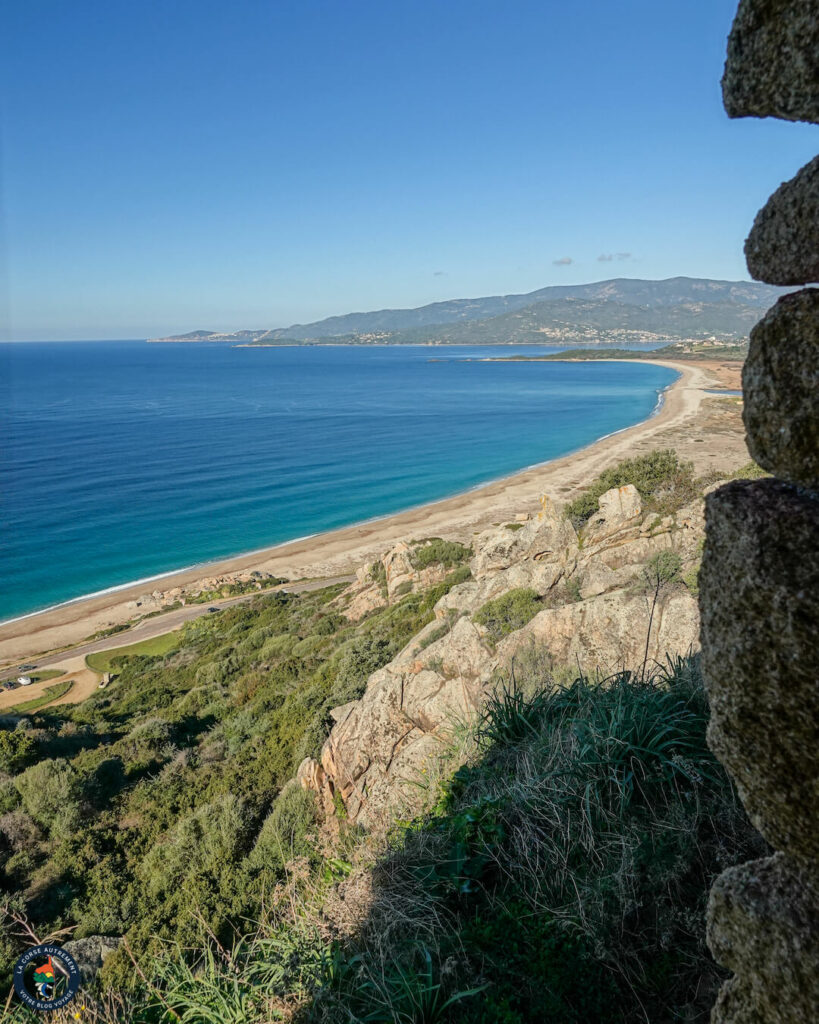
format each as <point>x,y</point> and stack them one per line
<point>759,584</point>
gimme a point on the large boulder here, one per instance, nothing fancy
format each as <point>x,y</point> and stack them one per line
<point>619,513</point>
<point>760,622</point>
<point>763,924</point>
<point>783,246</point>
<point>771,66</point>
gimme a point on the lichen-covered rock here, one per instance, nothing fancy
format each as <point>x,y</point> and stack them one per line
<point>772,68</point>
<point>548,538</point>
<point>783,246</point>
<point>91,952</point>
<point>763,924</point>
<point>618,509</point>
<point>375,753</point>
<point>780,382</point>
<point>759,602</point>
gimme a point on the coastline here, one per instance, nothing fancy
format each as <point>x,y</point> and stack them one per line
<point>342,550</point>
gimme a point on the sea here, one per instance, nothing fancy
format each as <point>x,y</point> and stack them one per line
<point>121,461</point>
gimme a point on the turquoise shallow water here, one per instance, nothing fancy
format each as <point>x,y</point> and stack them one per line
<point>122,460</point>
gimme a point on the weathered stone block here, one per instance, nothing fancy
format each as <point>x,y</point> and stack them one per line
<point>783,246</point>
<point>763,924</point>
<point>759,603</point>
<point>772,68</point>
<point>780,381</point>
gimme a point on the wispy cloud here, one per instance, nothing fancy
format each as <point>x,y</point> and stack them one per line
<point>564,261</point>
<point>607,257</point>
<point>439,273</point>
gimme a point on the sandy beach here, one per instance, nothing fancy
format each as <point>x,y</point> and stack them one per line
<point>703,428</point>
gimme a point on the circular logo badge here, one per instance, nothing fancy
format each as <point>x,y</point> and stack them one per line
<point>46,977</point>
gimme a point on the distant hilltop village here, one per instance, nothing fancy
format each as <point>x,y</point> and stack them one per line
<point>617,312</point>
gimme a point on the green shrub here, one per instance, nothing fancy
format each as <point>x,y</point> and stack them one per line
<point>440,552</point>
<point>288,831</point>
<point>17,749</point>
<point>665,484</point>
<point>50,791</point>
<point>378,574</point>
<point>9,796</point>
<point>750,471</point>
<point>508,612</point>
<point>204,844</point>
<point>692,580</point>
<point>661,570</point>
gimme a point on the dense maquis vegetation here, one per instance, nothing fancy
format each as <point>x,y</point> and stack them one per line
<point>560,874</point>
<point>148,810</point>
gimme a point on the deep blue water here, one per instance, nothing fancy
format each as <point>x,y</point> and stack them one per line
<point>121,460</point>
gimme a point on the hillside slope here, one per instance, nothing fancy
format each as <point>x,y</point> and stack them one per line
<point>163,811</point>
<point>416,325</point>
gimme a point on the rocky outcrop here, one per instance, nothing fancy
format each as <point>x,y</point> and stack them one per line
<point>758,584</point>
<point>595,611</point>
<point>385,580</point>
<point>610,632</point>
<point>224,585</point>
<point>548,538</point>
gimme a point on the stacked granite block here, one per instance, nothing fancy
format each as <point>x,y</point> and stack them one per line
<point>759,589</point>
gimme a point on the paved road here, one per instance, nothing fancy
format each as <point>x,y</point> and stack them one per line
<point>169,621</point>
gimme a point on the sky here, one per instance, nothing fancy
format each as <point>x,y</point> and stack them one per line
<point>170,165</point>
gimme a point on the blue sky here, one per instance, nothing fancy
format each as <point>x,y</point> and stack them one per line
<point>175,164</point>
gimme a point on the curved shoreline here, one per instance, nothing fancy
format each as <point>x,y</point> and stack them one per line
<point>214,566</point>
<point>337,551</point>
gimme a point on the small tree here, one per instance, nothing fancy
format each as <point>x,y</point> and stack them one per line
<point>659,574</point>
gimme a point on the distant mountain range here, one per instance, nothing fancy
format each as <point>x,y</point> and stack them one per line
<point>623,310</point>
